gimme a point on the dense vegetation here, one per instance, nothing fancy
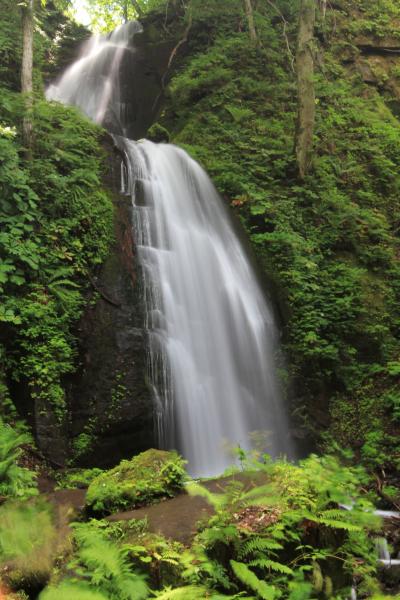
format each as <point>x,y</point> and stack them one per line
<point>329,248</point>
<point>56,226</point>
<point>329,244</point>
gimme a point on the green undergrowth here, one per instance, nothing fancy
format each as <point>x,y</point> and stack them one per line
<point>148,477</point>
<point>280,534</point>
<point>76,478</point>
<point>16,481</point>
<point>56,227</point>
<point>56,223</point>
<point>328,245</point>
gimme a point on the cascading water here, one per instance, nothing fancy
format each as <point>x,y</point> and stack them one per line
<point>211,332</point>
<point>93,83</point>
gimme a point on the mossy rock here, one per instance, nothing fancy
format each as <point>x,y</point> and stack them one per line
<point>150,476</point>
<point>158,134</point>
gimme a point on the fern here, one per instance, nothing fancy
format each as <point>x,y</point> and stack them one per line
<point>265,563</point>
<point>105,569</point>
<point>325,518</point>
<point>15,481</point>
<point>72,591</point>
<point>194,592</point>
<point>250,579</point>
<point>258,544</point>
<point>263,495</point>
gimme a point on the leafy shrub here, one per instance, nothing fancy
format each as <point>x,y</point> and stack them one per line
<point>152,475</point>
<point>15,481</point>
<point>77,478</point>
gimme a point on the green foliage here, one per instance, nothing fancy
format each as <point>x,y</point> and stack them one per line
<point>152,475</point>
<point>329,245</point>
<point>281,525</point>
<point>15,481</point>
<point>29,544</point>
<point>250,580</point>
<point>158,134</point>
<point>77,478</point>
<point>106,15</point>
<point>102,571</point>
<point>56,226</point>
<point>77,591</point>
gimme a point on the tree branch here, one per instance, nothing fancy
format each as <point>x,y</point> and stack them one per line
<point>172,56</point>
<point>181,42</point>
<point>102,294</point>
<point>285,25</point>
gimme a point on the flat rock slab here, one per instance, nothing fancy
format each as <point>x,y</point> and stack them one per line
<point>73,499</point>
<point>177,518</point>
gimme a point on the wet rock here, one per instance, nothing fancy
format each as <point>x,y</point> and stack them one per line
<point>110,405</point>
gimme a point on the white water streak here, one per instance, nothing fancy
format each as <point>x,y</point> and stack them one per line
<point>212,336</point>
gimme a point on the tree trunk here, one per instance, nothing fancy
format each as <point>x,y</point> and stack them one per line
<point>250,18</point>
<point>137,7</point>
<point>305,86</point>
<point>27,71</point>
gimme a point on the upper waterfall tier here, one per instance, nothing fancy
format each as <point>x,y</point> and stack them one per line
<point>117,80</point>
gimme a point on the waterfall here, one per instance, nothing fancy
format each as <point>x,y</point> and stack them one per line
<point>211,332</point>
<point>93,83</point>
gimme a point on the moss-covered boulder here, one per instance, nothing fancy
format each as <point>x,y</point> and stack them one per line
<point>148,477</point>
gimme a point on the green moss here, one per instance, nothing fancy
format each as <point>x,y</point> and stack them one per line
<point>157,133</point>
<point>150,476</point>
<point>76,478</point>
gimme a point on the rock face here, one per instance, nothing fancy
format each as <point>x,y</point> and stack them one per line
<point>110,406</point>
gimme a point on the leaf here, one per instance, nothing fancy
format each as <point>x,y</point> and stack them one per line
<point>264,563</point>
<point>250,579</point>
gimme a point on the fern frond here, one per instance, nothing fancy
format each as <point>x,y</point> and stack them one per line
<point>69,591</point>
<point>258,544</point>
<point>216,500</point>
<point>263,494</point>
<point>323,518</point>
<point>250,580</point>
<point>190,592</point>
<point>265,563</point>
<point>339,524</point>
<point>334,513</point>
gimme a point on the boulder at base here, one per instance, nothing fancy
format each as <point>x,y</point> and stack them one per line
<point>148,477</point>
